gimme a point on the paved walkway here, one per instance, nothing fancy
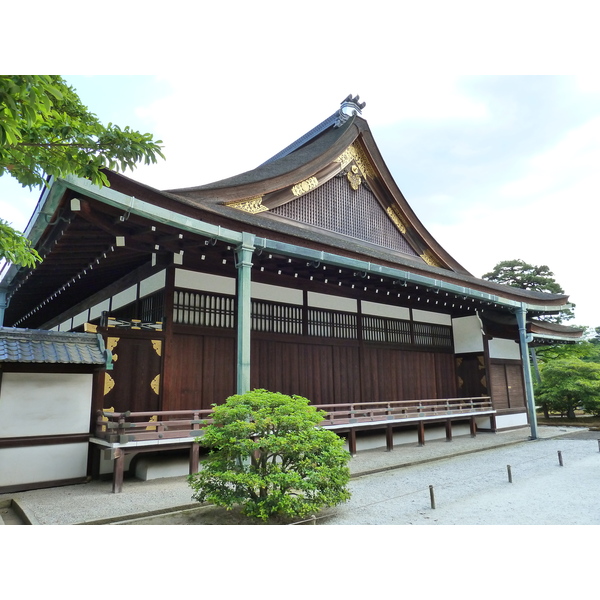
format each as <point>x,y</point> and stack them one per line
<point>94,502</point>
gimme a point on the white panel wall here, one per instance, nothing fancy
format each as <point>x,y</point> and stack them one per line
<point>263,291</point>
<point>467,334</point>
<point>426,316</point>
<point>45,404</point>
<point>36,464</point>
<point>332,302</point>
<point>385,310</point>
<point>204,282</point>
<point>153,283</point>
<point>506,349</point>
<point>516,420</point>
<point>125,297</point>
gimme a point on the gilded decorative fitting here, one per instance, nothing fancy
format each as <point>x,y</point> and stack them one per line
<point>395,217</point>
<point>155,384</point>
<point>157,345</point>
<point>305,186</point>
<point>250,205</point>
<point>355,153</point>
<point>426,256</point>
<point>109,383</point>
<point>354,178</point>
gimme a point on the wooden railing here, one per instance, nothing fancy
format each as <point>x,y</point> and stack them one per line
<point>124,427</point>
<point>341,415</point>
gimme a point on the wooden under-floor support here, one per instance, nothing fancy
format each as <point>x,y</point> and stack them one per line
<point>389,438</point>
<point>473,426</point>
<point>421,433</point>
<point>352,441</point>
<point>118,470</point>
<point>448,430</point>
<point>194,458</point>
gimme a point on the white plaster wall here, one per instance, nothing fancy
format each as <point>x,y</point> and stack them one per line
<point>516,420</point>
<point>263,291</point>
<point>204,282</point>
<point>426,316</point>
<point>153,283</point>
<point>96,311</point>
<point>36,464</point>
<point>80,319</point>
<point>507,349</point>
<point>385,310</point>
<point>467,334</point>
<point>332,302</point>
<point>34,404</point>
<point>125,297</point>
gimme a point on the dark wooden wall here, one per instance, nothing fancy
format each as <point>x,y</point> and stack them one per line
<point>344,372</point>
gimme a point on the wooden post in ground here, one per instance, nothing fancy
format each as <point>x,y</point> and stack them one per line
<point>389,438</point>
<point>421,433</point>
<point>118,470</point>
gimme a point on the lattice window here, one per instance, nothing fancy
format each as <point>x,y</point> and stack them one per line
<point>152,308</point>
<point>333,324</point>
<point>384,330</point>
<point>335,206</point>
<point>273,317</point>
<point>203,309</point>
<point>432,335</point>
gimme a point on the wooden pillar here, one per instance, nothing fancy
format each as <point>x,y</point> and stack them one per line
<point>389,438</point>
<point>352,441</point>
<point>448,430</point>
<point>194,458</point>
<point>118,469</point>
<point>421,433</point>
<point>473,426</point>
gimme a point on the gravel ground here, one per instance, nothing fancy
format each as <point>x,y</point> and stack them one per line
<point>471,487</point>
<point>474,489</point>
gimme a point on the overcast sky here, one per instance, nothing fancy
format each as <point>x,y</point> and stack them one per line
<point>497,166</point>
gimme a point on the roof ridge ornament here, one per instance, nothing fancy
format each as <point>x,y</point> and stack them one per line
<point>348,108</point>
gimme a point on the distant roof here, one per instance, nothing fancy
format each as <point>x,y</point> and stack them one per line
<point>41,346</point>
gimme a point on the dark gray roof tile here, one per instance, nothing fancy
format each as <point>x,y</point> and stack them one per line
<point>51,347</point>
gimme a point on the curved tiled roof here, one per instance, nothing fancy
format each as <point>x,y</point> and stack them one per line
<point>50,347</point>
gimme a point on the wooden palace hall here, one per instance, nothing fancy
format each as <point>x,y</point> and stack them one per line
<point>308,275</point>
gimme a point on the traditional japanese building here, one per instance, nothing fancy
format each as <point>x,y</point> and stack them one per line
<point>308,275</point>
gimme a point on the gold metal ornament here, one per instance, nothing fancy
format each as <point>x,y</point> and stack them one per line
<point>155,384</point>
<point>250,205</point>
<point>354,178</point>
<point>305,186</point>
<point>109,383</point>
<point>157,345</point>
<point>396,219</point>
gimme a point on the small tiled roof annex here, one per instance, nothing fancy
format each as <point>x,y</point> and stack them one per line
<point>40,346</point>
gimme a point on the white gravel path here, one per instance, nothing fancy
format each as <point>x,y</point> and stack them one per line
<point>474,489</point>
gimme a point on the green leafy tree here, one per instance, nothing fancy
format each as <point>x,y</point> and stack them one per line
<point>15,248</point>
<point>537,278</point>
<point>45,130</point>
<point>269,456</point>
<point>569,384</point>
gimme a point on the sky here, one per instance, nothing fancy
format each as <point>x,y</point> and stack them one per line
<point>496,152</point>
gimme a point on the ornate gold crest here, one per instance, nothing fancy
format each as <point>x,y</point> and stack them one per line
<point>305,186</point>
<point>354,178</point>
<point>396,219</point>
<point>250,205</point>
